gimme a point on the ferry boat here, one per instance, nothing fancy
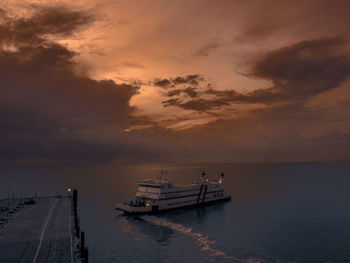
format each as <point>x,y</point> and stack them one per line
<point>157,195</point>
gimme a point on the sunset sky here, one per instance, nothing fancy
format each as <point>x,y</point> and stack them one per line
<point>174,81</point>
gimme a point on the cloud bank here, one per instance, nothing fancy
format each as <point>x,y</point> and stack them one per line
<point>290,103</point>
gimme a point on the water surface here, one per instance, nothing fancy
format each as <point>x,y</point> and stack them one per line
<point>278,212</point>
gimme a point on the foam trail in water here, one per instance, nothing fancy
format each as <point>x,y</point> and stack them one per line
<point>202,241</point>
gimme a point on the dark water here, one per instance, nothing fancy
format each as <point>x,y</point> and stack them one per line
<point>278,212</point>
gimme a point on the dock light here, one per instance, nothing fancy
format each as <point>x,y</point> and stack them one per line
<point>69,190</point>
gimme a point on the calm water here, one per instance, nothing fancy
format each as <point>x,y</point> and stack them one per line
<point>278,213</point>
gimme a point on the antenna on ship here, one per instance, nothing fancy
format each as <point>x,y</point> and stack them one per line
<point>162,171</point>
<point>203,176</point>
<point>221,179</point>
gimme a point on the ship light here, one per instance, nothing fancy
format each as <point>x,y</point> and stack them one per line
<point>147,204</point>
<point>69,190</point>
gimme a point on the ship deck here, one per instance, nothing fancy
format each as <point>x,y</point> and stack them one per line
<point>208,203</point>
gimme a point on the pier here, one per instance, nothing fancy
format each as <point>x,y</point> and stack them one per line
<point>46,229</point>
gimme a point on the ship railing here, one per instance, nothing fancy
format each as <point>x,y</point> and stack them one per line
<point>135,203</point>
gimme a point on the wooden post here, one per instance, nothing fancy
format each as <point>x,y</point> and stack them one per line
<point>82,244</point>
<point>75,201</point>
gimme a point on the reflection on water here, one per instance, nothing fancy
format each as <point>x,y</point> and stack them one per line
<point>202,241</point>
<point>279,212</point>
<point>144,229</point>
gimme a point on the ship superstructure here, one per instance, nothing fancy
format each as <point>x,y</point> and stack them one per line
<point>158,194</point>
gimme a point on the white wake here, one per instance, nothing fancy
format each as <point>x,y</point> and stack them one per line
<point>202,241</point>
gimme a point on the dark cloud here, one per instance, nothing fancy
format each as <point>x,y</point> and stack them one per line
<point>307,68</point>
<point>189,91</point>
<point>171,102</point>
<point>175,92</point>
<point>196,104</point>
<point>55,20</point>
<point>193,80</point>
<point>49,108</point>
<point>298,73</point>
<point>164,83</point>
<point>190,79</point>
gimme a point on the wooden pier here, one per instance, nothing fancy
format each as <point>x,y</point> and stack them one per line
<point>42,232</point>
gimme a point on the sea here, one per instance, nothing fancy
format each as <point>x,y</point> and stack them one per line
<point>279,212</point>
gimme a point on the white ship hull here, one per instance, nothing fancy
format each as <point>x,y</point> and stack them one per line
<point>152,209</point>
<point>155,196</point>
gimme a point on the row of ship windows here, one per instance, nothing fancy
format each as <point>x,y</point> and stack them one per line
<point>152,193</point>
<point>149,186</point>
<point>181,203</point>
<point>183,191</point>
<point>155,193</point>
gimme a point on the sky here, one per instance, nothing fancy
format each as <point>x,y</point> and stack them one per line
<point>174,81</point>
